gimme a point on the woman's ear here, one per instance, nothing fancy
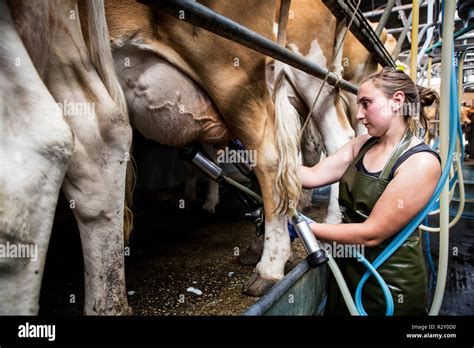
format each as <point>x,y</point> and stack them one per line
<point>397,101</point>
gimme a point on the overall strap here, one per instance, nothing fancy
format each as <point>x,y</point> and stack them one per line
<point>366,147</point>
<point>402,146</point>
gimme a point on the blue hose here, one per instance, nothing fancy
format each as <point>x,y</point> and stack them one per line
<point>401,237</point>
<point>386,291</point>
<point>429,258</point>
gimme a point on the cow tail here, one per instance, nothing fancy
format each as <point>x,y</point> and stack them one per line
<point>288,185</point>
<point>101,55</point>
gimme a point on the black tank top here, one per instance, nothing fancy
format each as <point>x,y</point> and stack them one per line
<point>421,147</point>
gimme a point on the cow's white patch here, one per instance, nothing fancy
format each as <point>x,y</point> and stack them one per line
<point>334,215</point>
<point>37,331</point>
<point>316,54</point>
<point>276,250</point>
<point>359,72</point>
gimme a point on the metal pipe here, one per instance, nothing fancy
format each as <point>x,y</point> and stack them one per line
<point>429,28</point>
<point>362,30</point>
<point>461,74</point>
<point>457,35</point>
<point>383,20</point>
<point>400,29</point>
<point>466,37</point>
<point>414,39</point>
<point>205,18</point>
<point>430,62</point>
<point>444,129</point>
<point>395,9</point>
<point>401,38</point>
<point>403,18</point>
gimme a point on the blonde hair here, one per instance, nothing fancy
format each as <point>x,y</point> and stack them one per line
<point>390,80</point>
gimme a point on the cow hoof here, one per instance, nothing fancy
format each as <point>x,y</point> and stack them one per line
<point>256,285</point>
<point>253,253</point>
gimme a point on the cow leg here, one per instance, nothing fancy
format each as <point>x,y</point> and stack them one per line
<point>212,198</point>
<point>277,249</point>
<point>95,187</point>
<point>331,120</point>
<point>35,146</point>
<point>190,173</point>
<point>95,181</point>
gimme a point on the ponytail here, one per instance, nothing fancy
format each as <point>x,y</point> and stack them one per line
<point>428,97</point>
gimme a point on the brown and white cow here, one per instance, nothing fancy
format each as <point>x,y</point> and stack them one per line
<point>178,77</point>
<point>312,33</point>
<point>82,81</point>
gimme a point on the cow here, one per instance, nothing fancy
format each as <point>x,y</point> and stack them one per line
<point>312,32</point>
<point>465,115</point>
<point>177,77</point>
<point>35,147</point>
<point>79,74</point>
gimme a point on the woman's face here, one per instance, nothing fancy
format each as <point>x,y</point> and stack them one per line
<point>375,110</point>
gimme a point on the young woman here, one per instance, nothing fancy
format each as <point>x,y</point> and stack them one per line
<point>386,177</point>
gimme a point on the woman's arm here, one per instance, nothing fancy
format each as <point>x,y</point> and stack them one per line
<point>408,192</point>
<point>331,169</point>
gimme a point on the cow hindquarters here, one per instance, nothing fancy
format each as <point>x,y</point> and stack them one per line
<point>35,146</point>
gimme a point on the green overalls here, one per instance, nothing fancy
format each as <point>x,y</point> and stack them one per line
<point>404,272</point>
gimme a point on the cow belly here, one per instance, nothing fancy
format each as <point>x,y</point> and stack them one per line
<point>165,105</point>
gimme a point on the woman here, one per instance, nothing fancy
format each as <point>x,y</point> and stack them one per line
<point>386,177</point>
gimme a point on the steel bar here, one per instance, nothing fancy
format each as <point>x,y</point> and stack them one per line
<point>205,18</point>
<point>395,9</point>
<point>386,15</point>
<point>362,30</point>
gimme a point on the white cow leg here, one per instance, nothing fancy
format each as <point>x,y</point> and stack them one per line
<point>95,188</point>
<point>336,132</point>
<point>334,215</point>
<point>95,181</point>
<point>35,146</point>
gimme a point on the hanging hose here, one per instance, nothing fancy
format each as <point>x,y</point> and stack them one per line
<point>386,291</point>
<point>401,237</point>
<point>429,258</point>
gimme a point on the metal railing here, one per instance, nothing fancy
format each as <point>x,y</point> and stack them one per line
<point>216,23</point>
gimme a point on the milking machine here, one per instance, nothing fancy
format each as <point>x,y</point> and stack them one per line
<point>195,154</point>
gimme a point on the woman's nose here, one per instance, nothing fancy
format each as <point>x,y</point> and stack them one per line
<point>360,113</point>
